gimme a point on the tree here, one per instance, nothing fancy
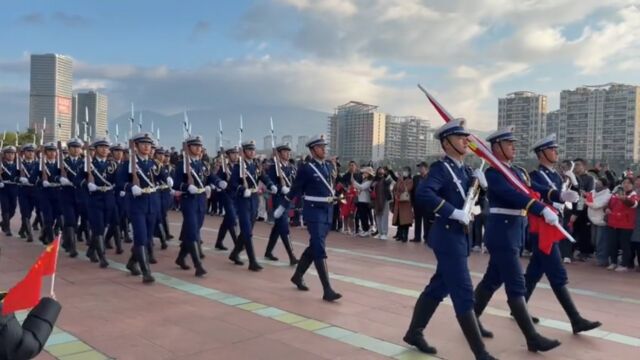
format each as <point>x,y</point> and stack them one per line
<point>23,138</point>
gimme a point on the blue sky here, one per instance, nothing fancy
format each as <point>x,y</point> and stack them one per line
<point>172,55</point>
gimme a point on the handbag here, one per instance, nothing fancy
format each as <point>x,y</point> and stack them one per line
<point>404,196</point>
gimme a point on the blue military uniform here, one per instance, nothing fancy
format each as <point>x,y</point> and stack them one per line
<point>143,205</point>
<point>444,193</point>
<point>28,193</point>
<point>246,204</point>
<point>8,189</point>
<point>227,198</point>
<point>281,225</point>
<point>193,203</point>
<point>166,197</point>
<point>314,183</point>
<point>75,198</point>
<point>114,230</point>
<point>50,192</point>
<point>551,264</point>
<point>101,197</point>
<point>504,234</point>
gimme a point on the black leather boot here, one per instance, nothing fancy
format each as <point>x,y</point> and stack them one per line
<point>303,265</point>
<point>253,262</point>
<point>162,236</point>
<point>91,251</point>
<point>200,251</point>
<point>195,257</point>
<point>165,225</point>
<point>125,231</point>
<point>535,341</point>
<point>117,238</point>
<point>238,246</point>
<point>141,255</point>
<point>29,231</point>
<point>182,254</point>
<point>578,323</point>
<point>71,235</point>
<point>481,298</point>
<point>323,274</point>
<point>100,250</point>
<point>23,228</point>
<point>132,264</point>
<point>36,222</point>
<point>220,238</point>
<point>287,245</point>
<point>273,238</point>
<point>469,325</point>
<point>150,252</point>
<point>422,313</point>
<point>107,238</point>
<point>7,226</point>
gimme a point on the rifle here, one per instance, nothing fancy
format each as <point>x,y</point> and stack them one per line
<point>133,163</point>
<point>472,197</point>
<point>88,164</point>
<point>243,165</point>
<point>63,169</point>
<point>186,162</point>
<point>4,136</point>
<point>43,166</point>
<point>223,162</point>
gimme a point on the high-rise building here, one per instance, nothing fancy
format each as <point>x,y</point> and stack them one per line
<point>553,122</point>
<point>301,146</point>
<point>357,132</point>
<point>91,119</point>
<point>408,137</point>
<point>50,95</point>
<point>287,139</point>
<point>266,143</point>
<point>526,111</point>
<point>600,123</point>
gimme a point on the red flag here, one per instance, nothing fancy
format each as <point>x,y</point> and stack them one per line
<point>25,294</point>
<point>589,197</point>
<point>49,258</point>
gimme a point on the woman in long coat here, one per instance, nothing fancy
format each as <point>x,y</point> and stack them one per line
<point>402,211</point>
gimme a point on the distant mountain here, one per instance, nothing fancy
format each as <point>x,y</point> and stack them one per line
<point>287,121</point>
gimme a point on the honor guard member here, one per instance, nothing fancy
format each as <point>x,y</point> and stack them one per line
<point>227,198</point>
<point>504,234</point>
<point>283,182</point>
<point>246,203</point>
<point>27,194</point>
<point>550,264</point>
<point>314,183</point>
<point>444,192</point>
<point>50,195</point>
<point>101,178</point>
<point>9,176</point>
<point>194,181</point>
<point>164,192</point>
<point>75,200</point>
<point>114,230</point>
<point>144,205</point>
<point>167,198</point>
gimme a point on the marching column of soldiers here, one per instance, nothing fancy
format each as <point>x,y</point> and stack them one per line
<point>111,189</point>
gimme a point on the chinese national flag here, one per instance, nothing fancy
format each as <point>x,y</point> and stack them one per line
<point>25,294</point>
<point>547,234</point>
<point>589,197</point>
<point>48,258</point>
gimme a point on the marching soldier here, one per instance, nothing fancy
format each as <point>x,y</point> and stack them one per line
<point>314,183</point>
<point>115,231</point>
<point>50,194</point>
<point>167,195</point>
<point>8,187</point>
<point>550,264</point>
<point>229,220</point>
<point>75,198</point>
<point>283,182</point>
<point>505,224</point>
<point>444,193</point>
<point>139,177</point>
<point>246,202</point>
<point>28,195</point>
<point>194,180</point>
<point>101,178</point>
<point>164,192</point>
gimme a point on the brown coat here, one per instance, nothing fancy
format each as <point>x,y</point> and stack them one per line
<point>402,210</point>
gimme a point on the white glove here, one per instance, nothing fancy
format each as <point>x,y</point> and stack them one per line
<point>44,184</point>
<point>92,187</point>
<point>278,212</point>
<point>1,184</point>
<point>479,174</point>
<point>273,189</point>
<point>285,190</point>
<point>24,180</point>
<point>461,216</point>
<point>64,181</point>
<point>569,196</point>
<point>170,181</point>
<point>192,189</point>
<point>572,177</point>
<point>207,190</point>
<point>550,216</point>
<point>136,190</point>
<point>172,192</point>
<point>123,194</point>
<point>247,193</point>
<point>222,185</point>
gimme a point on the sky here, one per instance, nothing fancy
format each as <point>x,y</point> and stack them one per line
<point>168,56</point>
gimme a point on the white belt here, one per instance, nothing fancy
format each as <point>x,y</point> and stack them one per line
<point>512,212</point>
<point>320,199</point>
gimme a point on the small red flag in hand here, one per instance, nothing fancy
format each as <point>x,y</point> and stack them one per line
<point>49,257</point>
<point>25,294</point>
<point>589,197</point>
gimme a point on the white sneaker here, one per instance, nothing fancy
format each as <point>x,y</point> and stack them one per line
<point>621,269</point>
<point>363,234</point>
<point>377,236</point>
<point>612,267</point>
<point>383,237</point>
<point>566,260</point>
<point>476,249</point>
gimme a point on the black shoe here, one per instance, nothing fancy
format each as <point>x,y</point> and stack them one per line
<point>293,261</point>
<point>270,257</point>
<point>469,325</point>
<point>303,265</point>
<point>141,255</point>
<point>235,258</point>
<point>481,298</point>
<point>132,266</point>
<point>99,245</point>
<point>414,240</point>
<point>422,313</point>
<point>180,261</point>
<point>193,250</point>
<point>323,274</point>
<point>535,341</point>
<point>221,247</point>
<point>298,281</point>
<point>416,338</point>
<point>254,266</point>
<point>578,323</point>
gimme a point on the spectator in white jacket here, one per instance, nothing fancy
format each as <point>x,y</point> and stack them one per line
<point>596,212</point>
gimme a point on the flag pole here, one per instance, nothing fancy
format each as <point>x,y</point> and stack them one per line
<point>53,276</point>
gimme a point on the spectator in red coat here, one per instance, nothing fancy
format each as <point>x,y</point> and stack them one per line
<point>621,217</point>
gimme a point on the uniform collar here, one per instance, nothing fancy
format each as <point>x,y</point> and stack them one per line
<point>458,163</point>
<point>542,166</point>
